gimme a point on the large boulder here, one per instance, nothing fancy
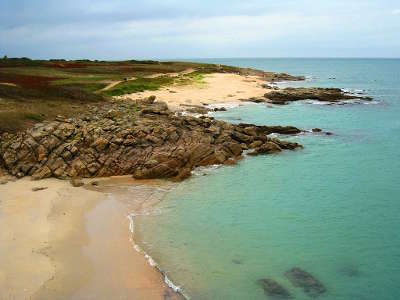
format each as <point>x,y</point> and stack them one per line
<point>43,172</point>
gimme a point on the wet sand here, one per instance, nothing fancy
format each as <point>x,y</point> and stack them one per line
<point>74,243</point>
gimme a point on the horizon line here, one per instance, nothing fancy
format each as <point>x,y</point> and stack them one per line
<point>206,58</point>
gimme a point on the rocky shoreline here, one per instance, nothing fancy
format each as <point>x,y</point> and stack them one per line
<point>287,95</point>
<point>142,138</point>
<point>145,139</point>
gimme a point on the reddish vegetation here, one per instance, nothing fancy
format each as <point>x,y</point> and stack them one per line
<point>27,81</point>
<point>70,65</point>
<point>146,69</point>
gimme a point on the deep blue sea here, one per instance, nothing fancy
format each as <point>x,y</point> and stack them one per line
<point>332,209</point>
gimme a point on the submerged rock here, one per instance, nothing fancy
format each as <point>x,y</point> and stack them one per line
<point>236,261</point>
<point>274,289</point>
<point>300,278</point>
<point>350,271</point>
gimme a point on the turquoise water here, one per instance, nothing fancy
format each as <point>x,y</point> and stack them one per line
<point>332,209</point>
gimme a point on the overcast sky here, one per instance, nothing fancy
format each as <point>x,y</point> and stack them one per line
<point>122,29</point>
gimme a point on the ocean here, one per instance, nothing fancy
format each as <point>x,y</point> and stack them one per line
<point>331,209</point>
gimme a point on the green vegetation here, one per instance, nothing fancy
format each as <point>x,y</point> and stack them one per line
<point>34,117</point>
<point>140,85</point>
<point>195,77</point>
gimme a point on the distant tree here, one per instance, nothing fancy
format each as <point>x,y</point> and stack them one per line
<point>5,57</point>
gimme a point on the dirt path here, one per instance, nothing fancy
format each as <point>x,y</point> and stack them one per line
<point>184,72</point>
<point>114,83</point>
<point>8,83</point>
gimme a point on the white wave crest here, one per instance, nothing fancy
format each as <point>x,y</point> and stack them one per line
<point>201,171</point>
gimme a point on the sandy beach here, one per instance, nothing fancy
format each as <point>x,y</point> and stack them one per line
<point>65,242</point>
<point>216,88</point>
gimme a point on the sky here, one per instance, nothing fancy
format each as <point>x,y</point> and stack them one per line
<point>172,29</point>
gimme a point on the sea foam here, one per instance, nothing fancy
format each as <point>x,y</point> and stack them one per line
<point>176,288</point>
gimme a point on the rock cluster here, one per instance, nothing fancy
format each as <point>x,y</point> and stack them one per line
<point>283,96</point>
<point>276,77</point>
<point>142,138</point>
<point>202,110</point>
<point>268,76</point>
<point>299,278</point>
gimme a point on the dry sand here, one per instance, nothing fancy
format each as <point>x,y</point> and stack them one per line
<point>214,89</point>
<point>74,243</point>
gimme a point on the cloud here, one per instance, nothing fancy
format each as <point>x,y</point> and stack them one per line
<point>173,36</point>
<point>396,12</point>
<point>171,28</point>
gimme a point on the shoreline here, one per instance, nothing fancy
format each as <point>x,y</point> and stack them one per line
<point>176,288</point>
<point>78,245</point>
<point>154,192</point>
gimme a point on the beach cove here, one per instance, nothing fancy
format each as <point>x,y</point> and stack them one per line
<point>159,231</point>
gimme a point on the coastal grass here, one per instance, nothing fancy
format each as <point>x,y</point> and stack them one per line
<point>22,107</point>
<point>18,115</point>
<point>140,85</point>
<point>195,77</point>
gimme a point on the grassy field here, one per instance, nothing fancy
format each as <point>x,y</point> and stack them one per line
<point>36,90</point>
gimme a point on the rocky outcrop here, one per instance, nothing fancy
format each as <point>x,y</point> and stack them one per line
<point>267,76</point>
<point>142,138</point>
<point>283,96</point>
<point>276,77</point>
<point>196,109</point>
<point>251,129</point>
<point>300,278</point>
<point>202,110</point>
<point>273,289</point>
